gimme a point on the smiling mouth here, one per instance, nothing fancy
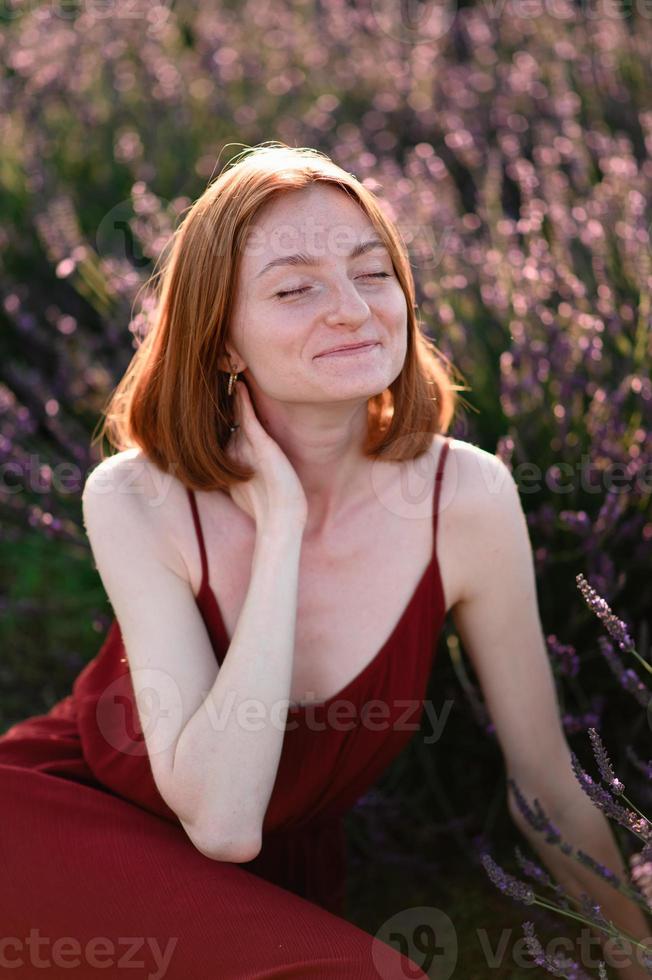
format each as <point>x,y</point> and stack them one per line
<point>342,351</point>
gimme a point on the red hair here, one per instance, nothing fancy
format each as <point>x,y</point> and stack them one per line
<point>168,402</point>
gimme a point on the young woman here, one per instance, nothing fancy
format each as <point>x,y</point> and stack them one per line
<point>281,533</point>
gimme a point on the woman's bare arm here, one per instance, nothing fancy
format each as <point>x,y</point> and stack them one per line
<point>213,765</point>
<point>228,753</point>
<point>500,628</point>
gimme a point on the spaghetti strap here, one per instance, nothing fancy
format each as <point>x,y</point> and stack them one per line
<point>438,481</point>
<point>200,538</point>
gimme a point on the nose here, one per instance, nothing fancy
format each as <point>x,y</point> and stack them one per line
<point>346,304</point>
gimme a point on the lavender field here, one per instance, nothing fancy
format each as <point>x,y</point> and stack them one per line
<point>511,140</point>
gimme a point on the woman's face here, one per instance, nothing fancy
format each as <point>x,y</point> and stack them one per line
<point>288,313</point>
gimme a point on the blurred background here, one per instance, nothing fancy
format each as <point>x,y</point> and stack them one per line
<point>510,140</point>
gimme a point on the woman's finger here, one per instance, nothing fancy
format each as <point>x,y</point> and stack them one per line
<point>247,416</point>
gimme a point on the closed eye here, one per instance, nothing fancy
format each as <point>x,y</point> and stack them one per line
<point>297,292</point>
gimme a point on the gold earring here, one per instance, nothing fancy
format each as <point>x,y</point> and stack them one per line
<point>233,377</point>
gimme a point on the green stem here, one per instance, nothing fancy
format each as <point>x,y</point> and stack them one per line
<point>613,931</point>
<point>643,662</point>
<point>634,808</point>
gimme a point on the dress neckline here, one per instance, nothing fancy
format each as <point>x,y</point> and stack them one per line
<point>432,566</point>
<point>431,573</point>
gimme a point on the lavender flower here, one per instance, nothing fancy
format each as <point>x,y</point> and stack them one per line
<point>604,764</point>
<point>627,678</point>
<point>565,656</point>
<point>614,626</point>
<point>538,818</point>
<point>605,802</point>
<point>635,893</point>
<point>507,884</point>
<point>590,719</point>
<point>577,521</point>
<point>558,965</point>
<point>536,872</point>
<point>600,869</point>
<point>593,912</point>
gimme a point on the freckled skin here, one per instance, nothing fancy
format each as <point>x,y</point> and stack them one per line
<point>316,407</point>
<point>278,337</point>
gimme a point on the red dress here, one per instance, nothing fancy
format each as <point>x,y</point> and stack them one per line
<point>89,848</point>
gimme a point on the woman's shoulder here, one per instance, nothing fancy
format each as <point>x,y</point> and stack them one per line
<point>470,506</point>
<point>132,473</point>
<point>132,480</point>
<point>129,482</point>
<point>464,449</point>
<point>471,474</point>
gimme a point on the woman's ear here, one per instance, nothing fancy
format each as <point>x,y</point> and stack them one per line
<point>230,361</point>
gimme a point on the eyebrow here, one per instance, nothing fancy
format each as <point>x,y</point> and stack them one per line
<point>302,259</point>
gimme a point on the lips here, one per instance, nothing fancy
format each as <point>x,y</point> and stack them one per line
<point>347,347</point>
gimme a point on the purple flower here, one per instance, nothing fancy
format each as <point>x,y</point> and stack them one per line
<point>616,627</point>
<point>536,873</point>
<point>538,818</point>
<point>634,893</point>
<point>507,883</point>
<point>558,965</point>
<point>592,911</point>
<point>565,656</point>
<point>599,869</point>
<point>590,719</point>
<point>577,521</point>
<point>605,802</point>
<point>604,764</point>
<point>627,678</point>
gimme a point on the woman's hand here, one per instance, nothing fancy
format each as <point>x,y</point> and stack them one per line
<point>275,494</point>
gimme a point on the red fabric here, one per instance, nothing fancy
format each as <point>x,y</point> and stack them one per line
<point>89,847</point>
